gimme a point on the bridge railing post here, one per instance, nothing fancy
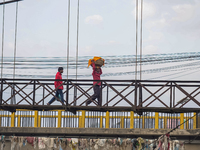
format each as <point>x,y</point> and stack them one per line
<point>12,119</point>
<point>132,120</point>
<point>36,119</point>
<point>80,120</point>
<point>1,93</point>
<point>59,118</point>
<point>83,119</point>
<point>107,95</point>
<point>107,119</point>
<point>18,120</point>
<point>171,95</point>
<point>195,121</point>
<point>156,120</point>
<point>135,103</point>
<point>67,93</point>
<point>181,120</point>
<point>101,122</point>
<point>34,92</point>
<point>75,95</point>
<point>100,103</point>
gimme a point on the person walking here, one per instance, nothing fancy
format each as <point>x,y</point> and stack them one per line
<point>58,85</point>
<point>97,85</point>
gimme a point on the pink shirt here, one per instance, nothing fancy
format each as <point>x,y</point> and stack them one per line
<point>96,75</point>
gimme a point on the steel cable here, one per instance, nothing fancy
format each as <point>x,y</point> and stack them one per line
<point>68,38</point>
<point>2,40</point>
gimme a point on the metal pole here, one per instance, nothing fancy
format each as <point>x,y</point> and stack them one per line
<point>68,38</point>
<point>136,39</point>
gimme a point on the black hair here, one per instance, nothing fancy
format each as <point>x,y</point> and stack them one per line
<point>60,68</point>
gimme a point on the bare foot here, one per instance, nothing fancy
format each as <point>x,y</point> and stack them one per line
<point>48,104</point>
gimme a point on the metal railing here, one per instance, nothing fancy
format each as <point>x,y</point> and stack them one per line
<point>92,119</point>
<point>116,95</point>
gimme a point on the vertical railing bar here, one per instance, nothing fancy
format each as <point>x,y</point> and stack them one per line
<point>115,119</point>
<point>51,119</point>
<point>31,118</point>
<point>54,118</point>
<point>72,120</point>
<point>148,120</point>
<point>88,118</point>
<point>34,92</point>
<point>67,93</point>
<point>75,121</point>
<point>28,117</point>
<point>25,119</point>
<point>125,119</point>
<point>75,94</point>
<point>64,119</point>
<point>1,96</point>
<point>153,120</point>
<point>69,119</point>
<point>135,103</point>
<point>43,94</point>
<point>107,95</point>
<point>43,119</point>
<point>171,95</point>
<point>139,121</point>
<point>176,119</point>
<point>47,118</point>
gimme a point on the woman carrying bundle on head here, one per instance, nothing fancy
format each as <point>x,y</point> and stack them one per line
<point>96,64</point>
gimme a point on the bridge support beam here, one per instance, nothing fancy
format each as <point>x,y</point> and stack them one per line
<point>97,132</point>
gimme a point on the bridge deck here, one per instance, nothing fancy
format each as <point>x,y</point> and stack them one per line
<point>104,133</point>
<point>13,108</point>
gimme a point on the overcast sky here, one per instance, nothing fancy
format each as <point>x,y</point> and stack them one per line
<point>107,27</point>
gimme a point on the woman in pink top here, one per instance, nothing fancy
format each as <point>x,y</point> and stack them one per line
<point>97,85</point>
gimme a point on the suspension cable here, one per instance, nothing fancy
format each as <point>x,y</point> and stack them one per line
<point>15,40</point>
<point>136,39</point>
<point>77,40</point>
<point>68,38</point>
<point>141,41</point>
<point>2,40</point>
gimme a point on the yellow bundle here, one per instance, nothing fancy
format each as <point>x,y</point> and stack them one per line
<point>95,60</point>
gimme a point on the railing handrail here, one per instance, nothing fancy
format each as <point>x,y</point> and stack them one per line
<point>86,80</point>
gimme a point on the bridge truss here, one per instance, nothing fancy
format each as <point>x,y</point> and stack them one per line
<point>116,95</point>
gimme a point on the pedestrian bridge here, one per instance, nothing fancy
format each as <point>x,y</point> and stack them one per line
<point>129,108</point>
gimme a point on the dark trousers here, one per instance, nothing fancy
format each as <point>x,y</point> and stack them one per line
<point>97,94</point>
<point>58,92</point>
